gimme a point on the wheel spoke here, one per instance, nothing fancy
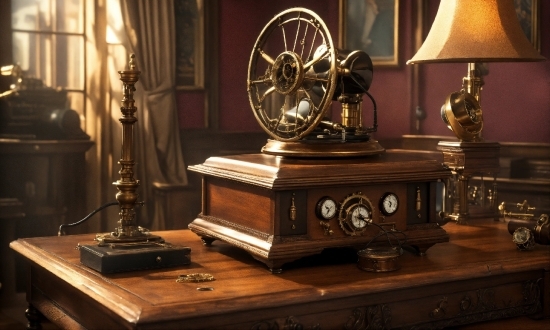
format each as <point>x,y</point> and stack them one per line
<point>316,58</point>
<point>316,78</point>
<point>266,93</point>
<point>284,33</point>
<point>266,57</point>
<point>297,31</point>
<point>313,41</point>
<point>260,81</point>
<point>303,41</point>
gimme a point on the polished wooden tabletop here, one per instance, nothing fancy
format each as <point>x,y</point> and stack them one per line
<point>480,255</point>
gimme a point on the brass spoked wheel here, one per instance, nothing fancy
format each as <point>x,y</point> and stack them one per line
<point>292,74</point>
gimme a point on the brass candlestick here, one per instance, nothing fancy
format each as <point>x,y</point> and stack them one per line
<point>130,247</point>
<point>128,231</point>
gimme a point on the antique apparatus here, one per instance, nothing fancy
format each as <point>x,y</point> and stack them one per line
<point>527,232</point>
<point>291,94</point>
<point>317,183</point>
<point>30,110</point>
<point>472,32</point>
<point>130,247</point>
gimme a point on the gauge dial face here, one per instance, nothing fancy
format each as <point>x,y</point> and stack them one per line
<point>355,214</point>
<point>389,204</point>
<point>360,216</point>
<point>326,208</point>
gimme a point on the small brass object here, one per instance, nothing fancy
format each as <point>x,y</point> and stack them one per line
<point>382,258</point>
<point>418,200</point>
<point>523,210</point>
<point>205,288</point>
<point>524,239</point>
<point>539,229</point>
<point>292,210</point>
<point>195,278</point>
<point>326,227</point>
<point>379,259</point>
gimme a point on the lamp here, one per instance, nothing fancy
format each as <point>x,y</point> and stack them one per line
<point>130,247</point>
<point>473,32</point>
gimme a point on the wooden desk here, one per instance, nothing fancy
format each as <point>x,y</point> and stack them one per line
<point>477,276</point>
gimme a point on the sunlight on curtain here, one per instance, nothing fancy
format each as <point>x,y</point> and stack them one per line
<point>150,33</point>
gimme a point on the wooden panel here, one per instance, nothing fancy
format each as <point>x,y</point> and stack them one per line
<point>247,205</point>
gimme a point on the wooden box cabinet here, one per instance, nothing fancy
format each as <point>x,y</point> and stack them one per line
<point>267,204</point>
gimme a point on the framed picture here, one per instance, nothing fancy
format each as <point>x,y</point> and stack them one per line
<point>189,44</point>
<point>528,16</point>
<point>371,26</point>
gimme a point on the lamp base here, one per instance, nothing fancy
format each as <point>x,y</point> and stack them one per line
<point>106,259</point>
<point>466,159</point>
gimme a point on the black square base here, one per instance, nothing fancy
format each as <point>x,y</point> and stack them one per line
<point>106,260</point>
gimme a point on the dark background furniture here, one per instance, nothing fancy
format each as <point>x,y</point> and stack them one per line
<point>41,187</point>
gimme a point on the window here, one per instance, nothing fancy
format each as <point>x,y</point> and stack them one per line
<point>48,44</point>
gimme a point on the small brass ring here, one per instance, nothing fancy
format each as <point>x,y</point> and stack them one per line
<point>195,278</point>
<point>205,288</point>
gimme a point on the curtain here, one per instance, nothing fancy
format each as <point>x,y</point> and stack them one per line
<point>100,124</point>
<point>150,35</point>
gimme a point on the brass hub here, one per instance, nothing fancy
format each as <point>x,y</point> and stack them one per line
<point>288,73</point>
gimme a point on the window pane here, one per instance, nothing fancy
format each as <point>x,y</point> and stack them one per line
<point>70,16</point>
<point>56,59</point>
<point>48,15</point>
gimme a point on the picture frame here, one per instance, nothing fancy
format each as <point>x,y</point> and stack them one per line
<point>528,15</point>
<point>189,44</point>
<point>371,26</point>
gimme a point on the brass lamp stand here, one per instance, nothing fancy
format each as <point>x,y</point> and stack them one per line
<point>473,32</point>
<point>471,155</point>
<point>130,247</point>
<point>127,230</point>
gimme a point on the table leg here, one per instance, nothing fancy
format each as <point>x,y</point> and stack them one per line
<point>34,317</point>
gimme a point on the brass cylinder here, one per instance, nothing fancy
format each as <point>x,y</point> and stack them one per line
<point>351,110</point>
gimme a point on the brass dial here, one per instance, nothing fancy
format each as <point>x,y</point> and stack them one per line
<point>360,216</point>
<point>355,214</point>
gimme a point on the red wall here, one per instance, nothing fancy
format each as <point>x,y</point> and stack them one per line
<point>515,99</point>
<point>241,22</point>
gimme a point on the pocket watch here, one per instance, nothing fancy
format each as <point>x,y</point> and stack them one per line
<point>326,208</point>
<point>389,203</point>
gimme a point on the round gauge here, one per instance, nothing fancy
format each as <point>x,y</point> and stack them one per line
<point>360,216</point>
<point>355,214</point>
<point>389,203</point>
<point>326,208</point>
<point>523,238</point>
